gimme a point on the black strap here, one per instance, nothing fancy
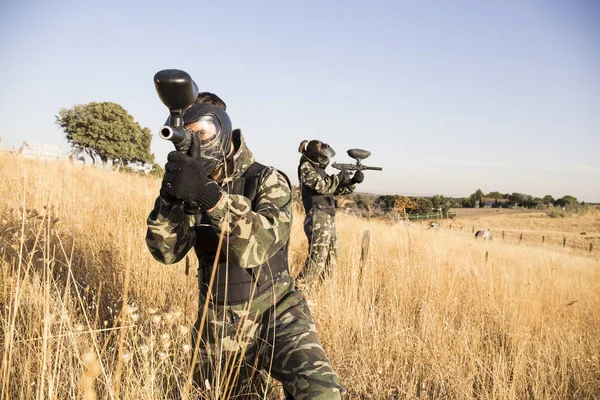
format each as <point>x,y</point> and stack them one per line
<point>251,180</point>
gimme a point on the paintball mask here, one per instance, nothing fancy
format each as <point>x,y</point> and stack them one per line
<point>213,127</point>
<point>319,152</point>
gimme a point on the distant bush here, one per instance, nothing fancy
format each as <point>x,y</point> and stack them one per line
<point>361,203</point>
<point>557,213</point>
<point>561,212</point>
<point>157,170</point>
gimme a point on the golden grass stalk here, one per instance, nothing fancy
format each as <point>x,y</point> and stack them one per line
<point>92,369</point>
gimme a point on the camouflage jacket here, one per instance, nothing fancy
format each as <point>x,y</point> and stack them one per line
<point>310,178</point>
<point>252,236</point>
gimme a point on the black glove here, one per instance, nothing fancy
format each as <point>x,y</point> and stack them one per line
<point>358,177</point>
<point>185,179</point>
<point>343,177</point>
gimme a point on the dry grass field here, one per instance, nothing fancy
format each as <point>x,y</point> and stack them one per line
<point>575,233</point>
<point>427,315</point>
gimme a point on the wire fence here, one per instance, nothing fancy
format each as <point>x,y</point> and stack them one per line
<point>579,242</point>
<point>435,215</point>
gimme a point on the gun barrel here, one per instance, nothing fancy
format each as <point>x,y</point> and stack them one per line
<point>181,139</point>
<point>168,133</point>
<point>374,168</point>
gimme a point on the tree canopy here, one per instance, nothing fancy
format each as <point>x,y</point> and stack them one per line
<point>494,195</point>
<point>106,130</point>
<point>475,198</point>
<point>423,206</point>
<point>548,199</point>
<point>566,201</point>
<point>386,201</point>
<point>438,201</point>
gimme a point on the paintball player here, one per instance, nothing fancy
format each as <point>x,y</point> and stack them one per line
<point>257,320</point>
<point>318,190</point>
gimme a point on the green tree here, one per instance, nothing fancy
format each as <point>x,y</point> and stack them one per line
<point>479,194</point>
<point>566,201</point>
<point>494,195</point>
<point>477,197</point>
<point>386,201</point>
<point>439,201</point>
<point>548,199</point>
<point>361,202</point>
<point>520,199</point>
<point>423,206</point>
<point>106,130</point>
<point>455,201</point>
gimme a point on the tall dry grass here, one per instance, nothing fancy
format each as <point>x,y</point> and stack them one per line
<point>429,314</point>
<point>576,232</point>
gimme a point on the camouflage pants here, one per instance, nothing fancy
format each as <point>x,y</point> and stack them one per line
<point>319,228</point>
<point>238,349</point>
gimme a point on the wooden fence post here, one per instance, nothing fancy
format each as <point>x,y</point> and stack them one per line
<point>502,234</point>
<point>591,247</point>
<point>486,256</point>
<point>364,252</point>
<point>543,237</point>
<point>473,230</point>
<point>520,238</point>
<point>564,241</point>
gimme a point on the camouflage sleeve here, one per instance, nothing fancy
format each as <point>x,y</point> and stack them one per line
<point>170,233</point>
<point>312,180</point>
<point>255,235</point>
<point>344,189</point>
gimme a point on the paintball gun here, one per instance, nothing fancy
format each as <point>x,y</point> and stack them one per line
<point>358,155</point>
<point>178,91</point>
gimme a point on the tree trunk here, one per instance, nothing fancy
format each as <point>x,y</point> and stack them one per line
<point>91,154</point>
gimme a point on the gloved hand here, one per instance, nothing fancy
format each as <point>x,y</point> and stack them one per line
<point>358,177</point>
<point>343,178</point>
<point>185,179</point>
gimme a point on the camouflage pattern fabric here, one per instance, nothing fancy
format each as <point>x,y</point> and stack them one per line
<point>251,236</point>
<point>239,345</point>
<point>310,178</point>
<point>274,333</point>
<point>319,228</point>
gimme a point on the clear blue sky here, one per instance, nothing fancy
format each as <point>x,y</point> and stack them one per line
<point>449,96</point>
